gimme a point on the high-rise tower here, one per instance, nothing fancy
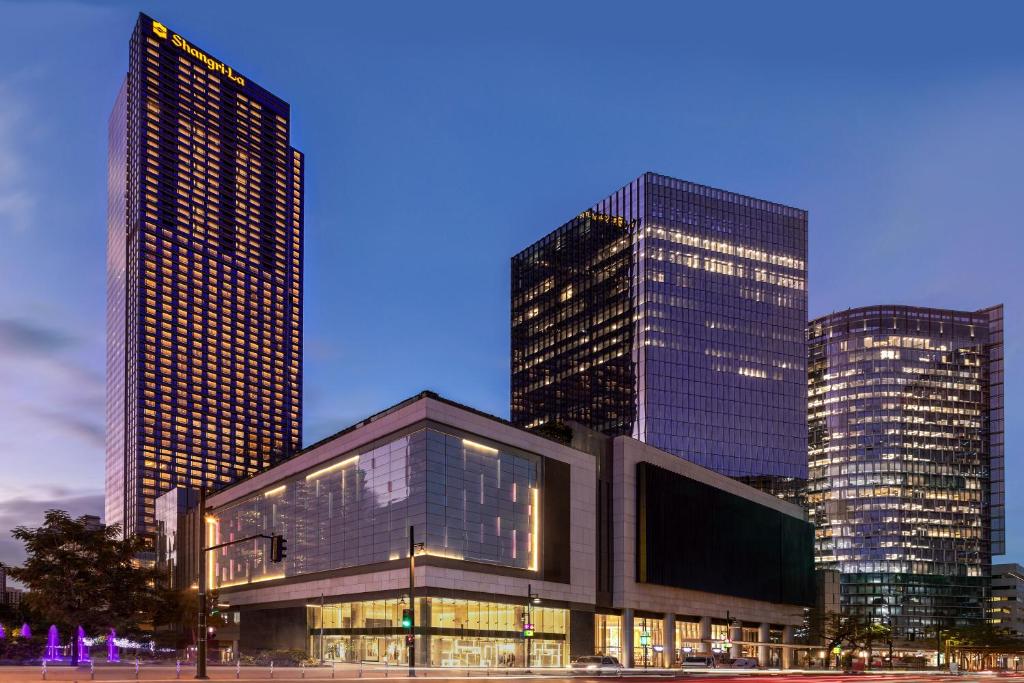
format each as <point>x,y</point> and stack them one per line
<point>906,461</point>
<point>674,313</point>
<point>204,277</point>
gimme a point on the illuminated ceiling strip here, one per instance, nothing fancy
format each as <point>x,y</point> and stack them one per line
<point>331,468</point>
<point>271,577</point>
<point>276,491</point>
<point>442,553</point>
<point>535,523</point>
<point>479,447</point>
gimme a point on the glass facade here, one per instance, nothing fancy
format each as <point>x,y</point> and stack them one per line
<point>466,500</point>
<point>204,278</point>
<point>450,632</point>
<point>674,313</point>
<point>906,461</point>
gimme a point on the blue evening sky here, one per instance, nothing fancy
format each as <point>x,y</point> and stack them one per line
<point>442,137</point>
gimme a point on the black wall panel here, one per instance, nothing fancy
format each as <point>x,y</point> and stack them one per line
<point>692,535</point>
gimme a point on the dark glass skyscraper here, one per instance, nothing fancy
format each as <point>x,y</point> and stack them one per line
<point>906,461</point>
<point>674,313</point>
<point>204,307</point>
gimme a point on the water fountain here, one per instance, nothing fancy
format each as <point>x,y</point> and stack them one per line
<point>3,633</point>
<point>83,651</point>
<point>26,632</point>
<point>112,654</point>
<point>52,645</point>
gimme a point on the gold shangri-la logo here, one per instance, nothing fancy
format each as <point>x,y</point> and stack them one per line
<point>212,64</point>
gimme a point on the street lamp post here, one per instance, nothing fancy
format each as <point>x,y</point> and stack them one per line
<point>531,599</point>
<point>203,633</point>
<point>277,554</point>
<point>411,637</point>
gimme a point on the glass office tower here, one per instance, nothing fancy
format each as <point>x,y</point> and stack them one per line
<point>204,306</point>
<point>674,313</point>
<point>906,461</point>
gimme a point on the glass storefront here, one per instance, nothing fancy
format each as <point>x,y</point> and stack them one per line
<point>648,642</point>
<point>608,635</point>
<point>449,632</point>
<point>687,638</point>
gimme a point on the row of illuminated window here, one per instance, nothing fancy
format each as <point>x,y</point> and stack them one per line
<point>470,615</point>
<point>226,341</point>
<point>231,323</point>
<point>727,248</point>
<point>215,275</point>
<point>232,133</point>
<point>729,268</point>
<point>163,360</point>
<point>192,261</point>
<point>242,389</point>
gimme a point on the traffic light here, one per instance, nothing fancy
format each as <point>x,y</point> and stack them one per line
<point>407,618</point>
<point>278,548</point>
<point>410,640</point>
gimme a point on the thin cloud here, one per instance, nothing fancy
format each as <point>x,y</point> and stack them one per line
<point>72,423</point>
<point>17,203</point>
<point>24,337</point>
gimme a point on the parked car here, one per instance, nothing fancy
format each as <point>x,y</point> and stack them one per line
<point>699,662</point>
<point>744,663</point>
<point>598,663</point>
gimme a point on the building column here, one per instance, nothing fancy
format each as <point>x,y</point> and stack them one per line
<point>763,651</point>
<point>735,635</point>
<point>423,647</point>
<point>627,638</point>
<point>668,640</point>
<point>787,653</point>
<point>705,635</point>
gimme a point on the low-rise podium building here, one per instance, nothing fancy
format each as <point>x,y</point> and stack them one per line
<point>592,544</point>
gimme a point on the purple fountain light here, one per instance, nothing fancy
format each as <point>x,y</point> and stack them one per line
<point>52,644</point>
<point>3,634</point>
<point>83,651</point>
<point>112,654</point>
<point>26,632</point>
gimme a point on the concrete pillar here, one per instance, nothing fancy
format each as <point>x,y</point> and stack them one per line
<point>669,640</point>
<point>627,638</point>
<point>423,620</point>
<point>763,634</point>
<point>735,635</point>
<point>787,653</point>
<point>581,633</point>
<point>705,635</point>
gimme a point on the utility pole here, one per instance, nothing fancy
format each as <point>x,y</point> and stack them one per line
<point>528,631</point>
<point>529,622</point>
<point>203,634</point>
<point>278,546</point>
<point>410,639</point>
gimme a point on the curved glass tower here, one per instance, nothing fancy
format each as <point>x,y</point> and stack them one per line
<point>905,421</point>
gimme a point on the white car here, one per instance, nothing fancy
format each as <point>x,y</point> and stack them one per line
<point>596,663</point>
<point>744,663</point>
<point>698,662</point>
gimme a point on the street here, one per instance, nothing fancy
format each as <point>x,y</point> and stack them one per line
<point>126,673</point>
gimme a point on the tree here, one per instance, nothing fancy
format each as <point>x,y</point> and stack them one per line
<point>79,573</point>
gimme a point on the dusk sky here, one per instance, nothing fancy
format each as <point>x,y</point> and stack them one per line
<point>443,137</point>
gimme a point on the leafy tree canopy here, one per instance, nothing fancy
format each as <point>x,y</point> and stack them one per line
<point>80,573</point>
